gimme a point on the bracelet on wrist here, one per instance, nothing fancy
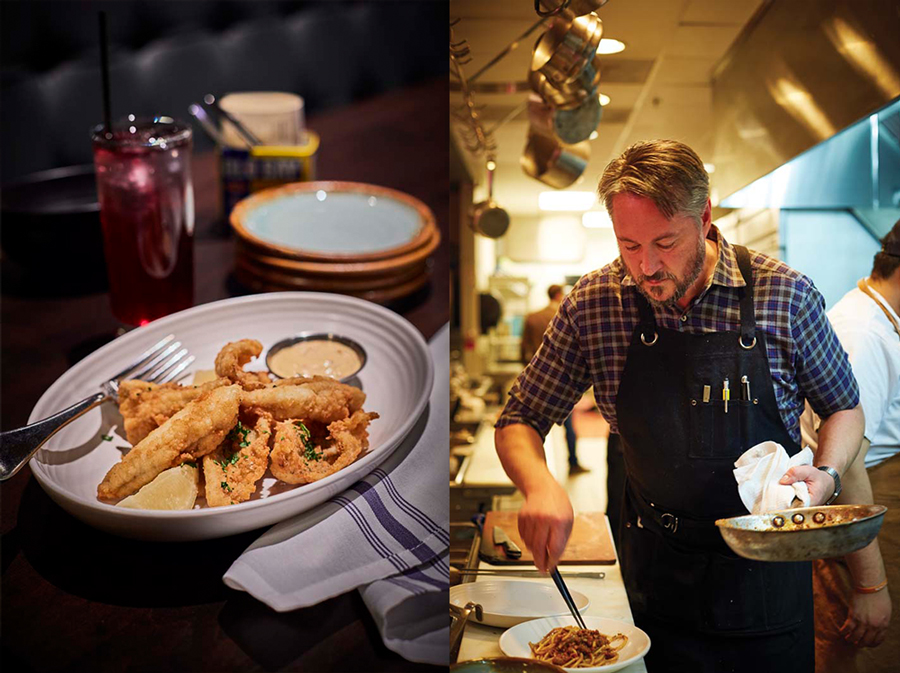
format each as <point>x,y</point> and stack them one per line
<point>871,590</point>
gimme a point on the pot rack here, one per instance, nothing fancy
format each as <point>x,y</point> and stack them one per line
<point>478,139</point>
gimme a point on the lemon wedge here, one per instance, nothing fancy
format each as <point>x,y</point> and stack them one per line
<point>175,488</point>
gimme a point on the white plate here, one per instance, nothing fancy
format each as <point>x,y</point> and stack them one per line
<point>514,642</point>
<point>509,602</point>
<point>397,380</point>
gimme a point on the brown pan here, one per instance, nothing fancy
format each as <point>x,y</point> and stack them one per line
<point>803,534</point>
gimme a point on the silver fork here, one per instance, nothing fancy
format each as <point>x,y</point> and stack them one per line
<point>161,363</point>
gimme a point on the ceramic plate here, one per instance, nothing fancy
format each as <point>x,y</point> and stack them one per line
<point>509,602</point>
<point>334,221</point>
<point>514,642</point>
<point>397,380</point>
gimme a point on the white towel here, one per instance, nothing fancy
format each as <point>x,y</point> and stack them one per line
<point>758,472</point>
<point>388,536</point>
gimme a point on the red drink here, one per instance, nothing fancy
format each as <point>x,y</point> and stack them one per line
<point>147,211</point>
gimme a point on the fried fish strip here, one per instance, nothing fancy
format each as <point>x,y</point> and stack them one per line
<point>234,468</point>
<point>145,406</point>
<point>231,360</point>
<point>295,459</point>
<point>195,430</point>
<point>321,399</point>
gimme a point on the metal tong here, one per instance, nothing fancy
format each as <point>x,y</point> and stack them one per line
<point>567,597</point>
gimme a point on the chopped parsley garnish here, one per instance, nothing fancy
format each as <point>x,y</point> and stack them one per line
<point>225,486</point>
<point>309,449</point>
<point>190,464</point>
<point>106,438</point>
<point>239,432</point>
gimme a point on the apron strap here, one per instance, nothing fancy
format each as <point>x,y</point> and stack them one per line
<point>745,295</point>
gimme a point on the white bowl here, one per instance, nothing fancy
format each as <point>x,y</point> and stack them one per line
<point>514,642</point>
<point>397,380</point>
<point>509,602</point>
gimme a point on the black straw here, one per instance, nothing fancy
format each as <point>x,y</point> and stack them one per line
<point>104,68</point>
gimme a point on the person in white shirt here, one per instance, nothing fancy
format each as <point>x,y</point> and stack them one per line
<point>852,602</point>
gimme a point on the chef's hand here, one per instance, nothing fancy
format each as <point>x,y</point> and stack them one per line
<point>868,618</point>
<point>545,523</point>
<point>820,484</point>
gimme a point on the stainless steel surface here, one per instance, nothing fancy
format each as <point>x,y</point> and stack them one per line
<point>567,597</point>
<point>800,72</point>
<point>159,364</point>
<point>803,534</point>
<point>319,336</point>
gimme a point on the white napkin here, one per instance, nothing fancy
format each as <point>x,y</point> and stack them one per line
<point>758,471</point>
<point>388,535</point>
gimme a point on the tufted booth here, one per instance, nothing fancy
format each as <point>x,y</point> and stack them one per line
<point>167,54</point>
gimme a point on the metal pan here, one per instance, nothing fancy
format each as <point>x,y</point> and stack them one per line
<point>803,534</point>
<point>567,47</point>
<point>552,162</point>
<point>574,126</point>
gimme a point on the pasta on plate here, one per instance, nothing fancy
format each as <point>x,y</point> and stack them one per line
<point>572,647</point>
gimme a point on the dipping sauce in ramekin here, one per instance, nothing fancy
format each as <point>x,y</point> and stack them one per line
<point>316,355</point>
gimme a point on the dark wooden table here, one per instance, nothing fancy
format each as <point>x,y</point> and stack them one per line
<point>78,599</point>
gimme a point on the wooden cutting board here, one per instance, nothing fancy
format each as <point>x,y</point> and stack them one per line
<point>589,544</point>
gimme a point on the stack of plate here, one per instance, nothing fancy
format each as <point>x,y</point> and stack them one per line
<point>346,237</point>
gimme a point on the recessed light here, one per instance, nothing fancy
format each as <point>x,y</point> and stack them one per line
<point>610,46</point>
<point>491,165</point>
<point>710,168</point>
<point>571,201</point>
<point>604,99</point>
<point>594,135</point>
<point>596,219</point>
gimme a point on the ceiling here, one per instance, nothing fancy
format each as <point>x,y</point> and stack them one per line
<point>659,86</point>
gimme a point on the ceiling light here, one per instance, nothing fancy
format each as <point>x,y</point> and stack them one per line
<point>596,219</point>
<point>594,135</point>
<point>610,46</point>
<point>491,165</point>
<point>709,168</point>
<point>604,99</point>
<point>573,201</point>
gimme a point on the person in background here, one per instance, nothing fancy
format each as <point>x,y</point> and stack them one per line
<point>665,334</point>
<point>853,603</point>
<point>532,333</point>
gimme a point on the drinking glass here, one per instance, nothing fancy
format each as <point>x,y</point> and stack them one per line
<point>147,210</point>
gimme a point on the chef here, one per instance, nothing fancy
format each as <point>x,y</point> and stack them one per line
<point>697,350</point>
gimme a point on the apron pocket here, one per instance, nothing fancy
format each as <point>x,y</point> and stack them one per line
<point>715,434</point>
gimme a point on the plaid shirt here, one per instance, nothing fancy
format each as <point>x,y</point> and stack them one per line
<point>587,342</point>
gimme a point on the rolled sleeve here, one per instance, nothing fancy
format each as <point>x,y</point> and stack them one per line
<point>554,380</point>
<point>823,370</point>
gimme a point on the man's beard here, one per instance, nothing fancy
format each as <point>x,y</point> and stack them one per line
<point>695,267</point>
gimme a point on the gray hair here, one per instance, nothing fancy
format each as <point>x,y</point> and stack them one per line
<point>667,172</point>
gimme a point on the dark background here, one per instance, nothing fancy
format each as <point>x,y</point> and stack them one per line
<point>167,54</point>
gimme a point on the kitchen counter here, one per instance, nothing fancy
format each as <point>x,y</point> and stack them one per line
<point>608,599</point>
